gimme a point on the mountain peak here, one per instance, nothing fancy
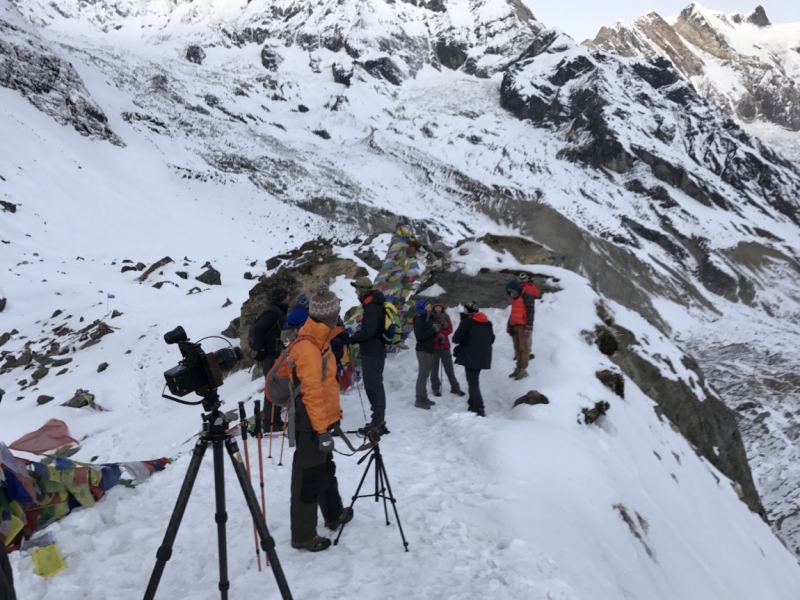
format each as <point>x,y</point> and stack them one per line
<point>759,17</point>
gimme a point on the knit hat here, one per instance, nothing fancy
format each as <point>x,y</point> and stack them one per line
<point>472,307</point>
<point>301,302</point>
<point>436,302</point>
<point>362,284</point>
<point>523,278</point>
<point>279,294</point>
<point>514,286</point>
<point>324,305</point>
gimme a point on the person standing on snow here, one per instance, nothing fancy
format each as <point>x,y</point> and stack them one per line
<point>474,338</point>
<point>296,319</point>
<point>373,351</point>
<point>425,330</point>
<point>314,481</point>
<point>523,293</point>
<point>441,351</point>
<point>265,339</point>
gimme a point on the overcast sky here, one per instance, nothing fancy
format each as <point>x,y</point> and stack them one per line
<point>583,18</point>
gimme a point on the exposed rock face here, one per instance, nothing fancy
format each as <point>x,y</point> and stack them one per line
<point>743,63</point>
<point>195,54</point>
<point>29,65</point>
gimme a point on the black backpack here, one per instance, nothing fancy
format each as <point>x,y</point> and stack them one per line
<point>256,336</point>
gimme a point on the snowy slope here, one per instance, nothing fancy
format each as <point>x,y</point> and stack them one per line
<point>255,145</point>
<point>743,63</point>
<point>527,503</point>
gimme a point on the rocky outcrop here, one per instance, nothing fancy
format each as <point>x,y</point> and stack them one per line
<point>30,66</point>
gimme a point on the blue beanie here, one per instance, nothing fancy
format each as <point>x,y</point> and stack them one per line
<point>514,285</point>
<point>302,302</point>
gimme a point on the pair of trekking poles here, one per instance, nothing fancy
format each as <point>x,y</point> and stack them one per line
<point>258,434</point>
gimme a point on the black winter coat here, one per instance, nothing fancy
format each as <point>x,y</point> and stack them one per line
<point>6,578</point>
<point>370,336</point>
<point>474,338</point>
<point>268,327</point>
<point>425,332</point>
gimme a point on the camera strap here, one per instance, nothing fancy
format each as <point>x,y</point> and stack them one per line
<point>363,447</point>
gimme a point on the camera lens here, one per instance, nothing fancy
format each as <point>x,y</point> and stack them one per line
<point>176,335</point>
<point>228,357</point>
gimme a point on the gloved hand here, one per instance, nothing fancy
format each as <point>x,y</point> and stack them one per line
<point>325,442</point>
<point>435,327</point>
<point>528,330</point>
<point>261,355</point>
<point>441,339</point>
<point>509,330</point>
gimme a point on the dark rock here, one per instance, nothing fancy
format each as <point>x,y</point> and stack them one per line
<point>322,133</point>
<point>102,367</point>
<point>302,108</point>
<point>195,54</point>
<point>182,274</point>
<point>40,373</point>
<point>158,285</point>
<point>248,275</point>
<point>140,266</point>
<point>62,371</point>
<point>100,330</point>
<point>384,68</point>
<point>115,314</point>
<point>273,263</point>
<point>127,268</point>
<point>24,359</point>
<point>533,397</point>
<point>79,400</point>
<point>744,406</point>
<point>270,58</point>
<point>591,415</point>
<point>233,329</point>
<point>451,53</point>
<point>370,258</point>
<point>22,383</point>
<point>4,338</point>
<point>210,277</point>
<point>8,206</point>
<point>759,17</point>
<point>718,281</point>
<point>613,381</point>
<point>606,341</point>
<point>44,399</point>
<point>127,351</point>
<point>2,304</point>
<point>342,74</point>
<point>154,267</point>
<point>227,303</point>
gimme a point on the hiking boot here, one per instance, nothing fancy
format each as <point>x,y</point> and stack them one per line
<point>315,544</point>
<point>480,412</point>
<point>457,392</point>
<point>423,403</point>
<point>431,402</point>
<point>514,374</point>
<point>345,517</point>
<point>437,393</point>
<point>521,374</point>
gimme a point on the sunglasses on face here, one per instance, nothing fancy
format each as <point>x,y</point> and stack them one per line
<point>512,293</point>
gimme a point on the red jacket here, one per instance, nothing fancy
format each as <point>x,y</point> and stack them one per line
<point>522,307</point>
<point>442,339</point>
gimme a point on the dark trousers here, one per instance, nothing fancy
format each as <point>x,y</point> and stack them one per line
<point>313,485</point>
<point>446,359</point>
<point>425,362</point>
<point>474,382</point>
<point>6,578</point>
<point>372,374</point>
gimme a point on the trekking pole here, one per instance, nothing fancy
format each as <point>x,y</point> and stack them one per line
<point>243,426</point>
<point>257,412</point>
<point>271,429</point>
<point>283,437</point>
<point>358,387</point>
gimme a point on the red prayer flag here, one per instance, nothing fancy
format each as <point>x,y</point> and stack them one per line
<point>49,436</point>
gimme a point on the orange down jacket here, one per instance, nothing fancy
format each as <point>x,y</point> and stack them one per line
<point>318,405</point>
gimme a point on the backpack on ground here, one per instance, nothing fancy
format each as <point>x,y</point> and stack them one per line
<point>392,325</point>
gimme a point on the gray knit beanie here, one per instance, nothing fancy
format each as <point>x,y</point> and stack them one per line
<point>324,305</point>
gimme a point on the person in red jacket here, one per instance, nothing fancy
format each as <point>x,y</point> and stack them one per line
<point>441,351</point>
<point>523,293</point>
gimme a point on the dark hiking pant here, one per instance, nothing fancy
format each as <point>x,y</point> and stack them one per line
<point>425,361</point>
<point>446,359</point>
<point>313,485</point>
<point>473,381</point>
<point>372,374</point>
<point>522,346</point>
<point>6,578</point>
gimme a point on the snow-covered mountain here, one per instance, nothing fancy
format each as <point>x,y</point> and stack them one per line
<point>742,62</point>
<point>231,133</point>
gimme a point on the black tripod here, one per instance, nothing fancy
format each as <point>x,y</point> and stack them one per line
<point>381,488</point>
<point>215,432</point>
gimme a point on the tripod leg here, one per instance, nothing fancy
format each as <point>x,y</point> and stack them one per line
<point>221,517</point>
<point>283,437</point>
<point>382,491</point>
<point>393,501</point>
<point>267,541</point>
<point>164,552</point>
<point>355,496</point>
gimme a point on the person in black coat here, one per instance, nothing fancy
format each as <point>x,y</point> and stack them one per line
<point>425,330</point>
<point>373,350</point>
<point>266,334</point>
<point>6,578</point>
<point>474,338</point>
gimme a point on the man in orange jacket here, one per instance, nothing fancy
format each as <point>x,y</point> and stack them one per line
<point>317,410</point>
<point>520,324</point>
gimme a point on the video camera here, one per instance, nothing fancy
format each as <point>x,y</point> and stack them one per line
<point>198,372</point>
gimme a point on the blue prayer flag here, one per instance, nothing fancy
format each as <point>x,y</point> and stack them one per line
<point>111,295</point>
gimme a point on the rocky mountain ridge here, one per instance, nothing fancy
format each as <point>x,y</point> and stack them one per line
<point>745,64</point>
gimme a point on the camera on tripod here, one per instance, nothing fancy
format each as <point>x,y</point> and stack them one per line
<point>377,432</point>
<point>199,371</point>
